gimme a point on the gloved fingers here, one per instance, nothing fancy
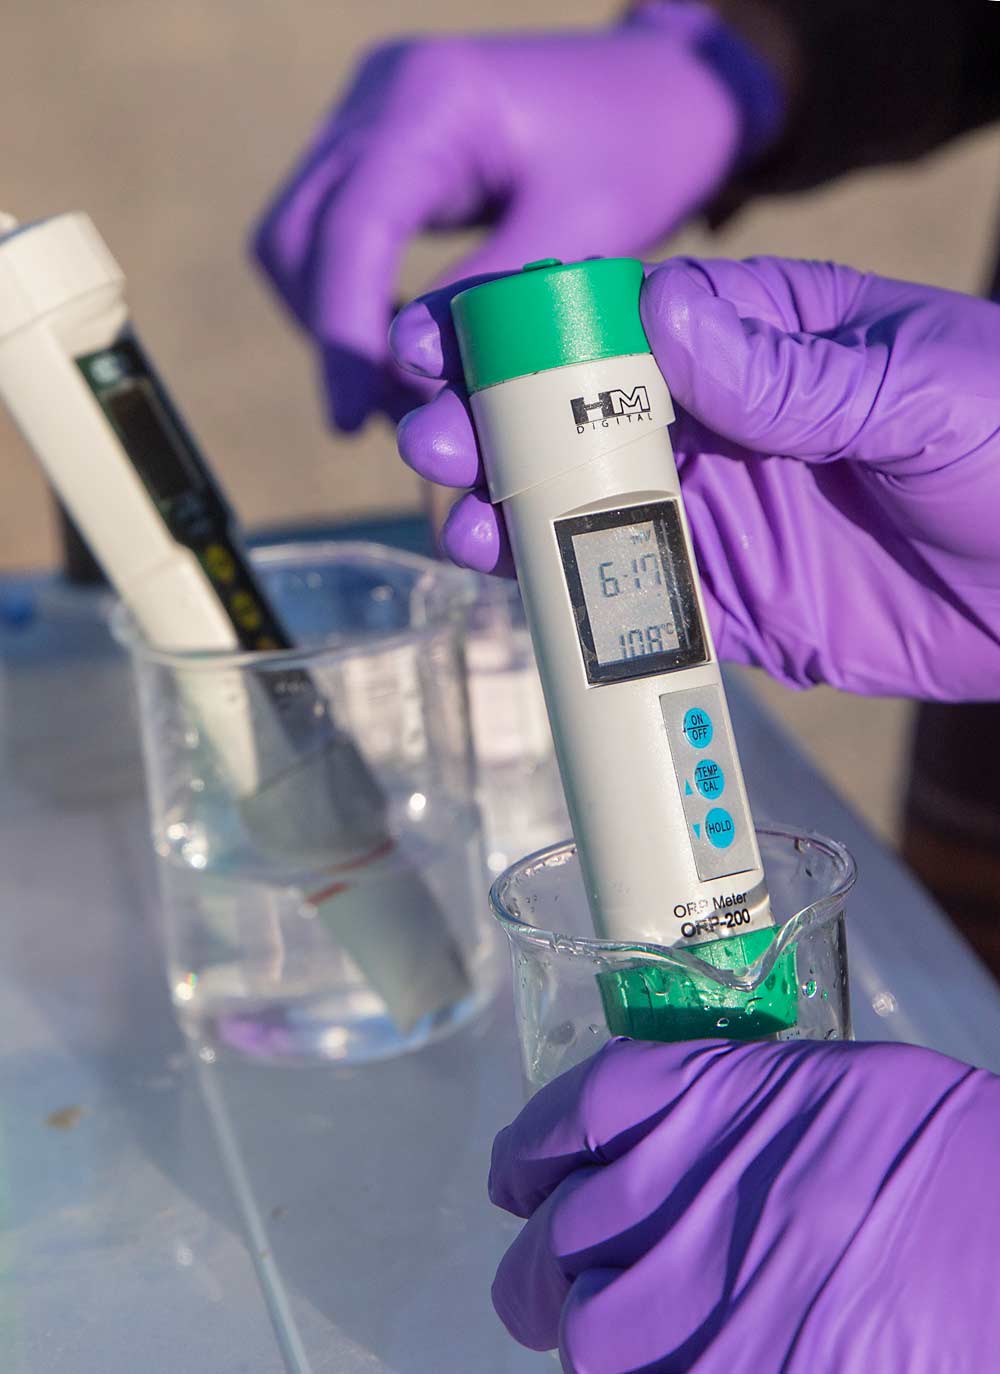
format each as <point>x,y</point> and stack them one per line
<point>332,246</point>
<point>359,233</point>
<point>531,1285</point>
<point>369,126</point>
<point>657,1196</point>
<point>402,392</point>
<point>347,289</point>
<point>730,647</point>
<point>422,336</point>
<point>807,573</point>
<point>473,536</point>
<point>355,387</point>
<point>596,1222</point>
<point>360,236</point>
<point>592,1114</point>
<point>281,239</point>
<point>531,224</point>
<point>795,394</point>
<point>583,1343</point>
<point>663,1212</point>
<point>791,294</point>
<point>438,440</point>
<point>634,1321</point>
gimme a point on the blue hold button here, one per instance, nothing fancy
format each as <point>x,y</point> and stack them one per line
<point>698,728</point>
<point>720,828</point>
<point>709,778</point>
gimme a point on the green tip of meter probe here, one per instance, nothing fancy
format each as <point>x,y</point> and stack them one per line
<point>657,1002</point>
<point>572,416</point>
<point>549,315</point>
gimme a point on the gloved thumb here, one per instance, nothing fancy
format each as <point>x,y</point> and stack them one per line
<point>795,394</point>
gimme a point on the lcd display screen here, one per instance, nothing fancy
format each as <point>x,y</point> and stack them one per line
<point>632,589</point>
<point>149,437</point>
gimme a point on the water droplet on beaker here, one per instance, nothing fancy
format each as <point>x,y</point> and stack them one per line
<point>752,1004</point>
<point>809,989</point>
<point>883,1003</point>
<point>826,994</point>
<point>184,988</point>
<point>722,1022</point>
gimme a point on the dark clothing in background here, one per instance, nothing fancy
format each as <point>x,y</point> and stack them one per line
<point>951,830</point>
<point>873,83</point>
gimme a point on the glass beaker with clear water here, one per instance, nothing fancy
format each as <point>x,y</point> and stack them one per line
<point>314,815</point>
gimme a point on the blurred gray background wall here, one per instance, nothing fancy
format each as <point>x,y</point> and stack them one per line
<point>172,123</point>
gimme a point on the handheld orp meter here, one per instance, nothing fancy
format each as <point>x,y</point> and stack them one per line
<point>572,412</point>
<point>80,387</point>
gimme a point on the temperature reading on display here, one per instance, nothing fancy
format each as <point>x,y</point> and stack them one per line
<point>631,585</point>
<point>627,592</point>
<point>636,642</point>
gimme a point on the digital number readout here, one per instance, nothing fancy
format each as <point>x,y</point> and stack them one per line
<point>631,586</point>
<point>627,592</point>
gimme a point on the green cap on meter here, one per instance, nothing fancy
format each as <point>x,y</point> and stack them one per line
<point>550,314</point>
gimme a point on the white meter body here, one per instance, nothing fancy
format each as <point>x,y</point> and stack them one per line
<point>79,386</point>
<point>572,417</point>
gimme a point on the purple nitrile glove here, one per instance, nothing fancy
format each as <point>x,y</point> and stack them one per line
<point>566,143</point>
<point>867,553</point>
<point>744,1209</point>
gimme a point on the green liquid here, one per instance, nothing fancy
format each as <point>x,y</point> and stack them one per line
<point>655,1002</point>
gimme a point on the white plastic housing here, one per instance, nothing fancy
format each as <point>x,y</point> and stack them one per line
<point>62,296</point>
<point>624,755</point>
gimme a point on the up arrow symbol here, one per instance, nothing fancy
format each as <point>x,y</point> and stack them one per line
<point>687,789</point>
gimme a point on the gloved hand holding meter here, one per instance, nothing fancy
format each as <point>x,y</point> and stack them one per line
<point>838,449</point>
<point>572,415</point>
<point>694,1206</point>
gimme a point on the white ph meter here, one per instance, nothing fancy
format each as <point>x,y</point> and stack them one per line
<point>82,391</point>
<point>571,413</point>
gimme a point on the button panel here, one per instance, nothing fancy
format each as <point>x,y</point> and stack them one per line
<point>704,759</point>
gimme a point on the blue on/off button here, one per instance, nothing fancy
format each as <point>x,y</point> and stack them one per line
<point>698,728</point>
<point>720,828</point>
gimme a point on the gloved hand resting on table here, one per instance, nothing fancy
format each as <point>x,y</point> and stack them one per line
<point>838,441</point>
<point>744,1209</point>
<point>566,143</point>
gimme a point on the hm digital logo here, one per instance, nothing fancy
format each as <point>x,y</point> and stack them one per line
<point>613,407</point>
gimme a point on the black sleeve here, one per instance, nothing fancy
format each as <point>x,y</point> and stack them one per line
<point>870,81</point>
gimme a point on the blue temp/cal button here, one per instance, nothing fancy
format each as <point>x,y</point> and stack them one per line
<point>709,778</point>
<point>698,728</point>
<point>720,828</point>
